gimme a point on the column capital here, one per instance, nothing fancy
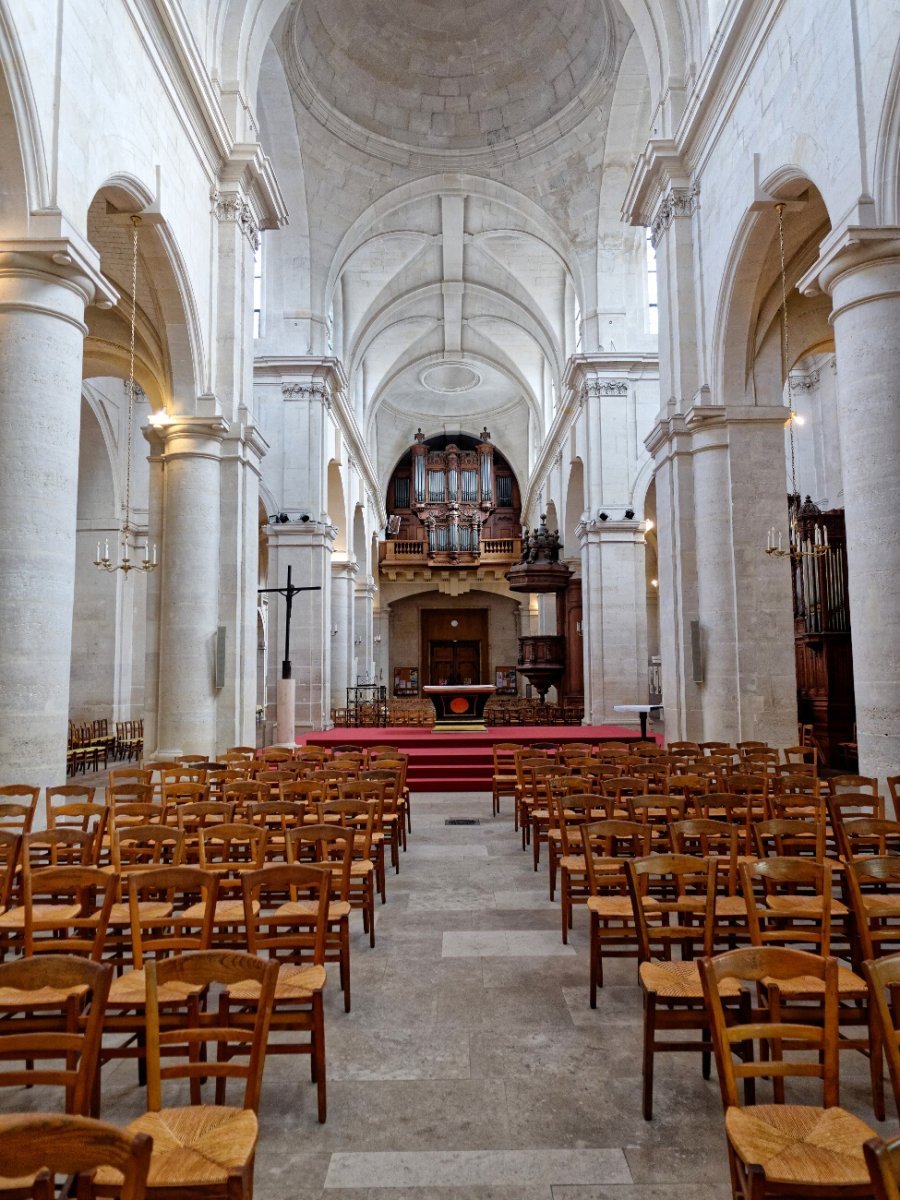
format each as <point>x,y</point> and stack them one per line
<point>192,437</point>
<point>856,249</point>
<point>303,376</point>
<point>345,567</point>
<point>367,588</point>
<point>661,188</point>
<point>312,534</point>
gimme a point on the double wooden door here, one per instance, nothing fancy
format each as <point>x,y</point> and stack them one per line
<point>454,662</point>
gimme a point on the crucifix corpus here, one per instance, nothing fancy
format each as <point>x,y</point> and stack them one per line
<point>286,691</point>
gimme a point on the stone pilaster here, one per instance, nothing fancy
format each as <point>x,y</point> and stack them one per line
<point>860,269</point>
<point>614,640</point>
<point>343,580</point>
<point>307,548</point>
<point>364,599</point>
<point>44,288</point>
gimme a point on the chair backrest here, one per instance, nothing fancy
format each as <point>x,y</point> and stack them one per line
<point>66,846</point>
<point>73,913</point>
<point>10,863</point>
<point>44,1055</point>
<point>790,837</point>
<point>18,802</point>
<point>45,1145</point>
<point>287,933</point>
<point>132,793</point>
<point>194,816</point>
<point>847,805</point>
<point>358,815</point>
<point>330,845</point>
<point>883,1162</point>
<point>230,969</point>
<point>136,847</point>
<point>798,900</point>
<point>873,885</point>
<point>230,844</point>
<point>853,783</point>
<point>124,775</point>
<point>778,1039</point>
<point>68,793</point>
<point>868,836</point>
<point>675,882</point>
<point>707,838</point>
<point>181,923</point>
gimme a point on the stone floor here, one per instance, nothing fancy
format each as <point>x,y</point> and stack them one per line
<point>472,1065</point>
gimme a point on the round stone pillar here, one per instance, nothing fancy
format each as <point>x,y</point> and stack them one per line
<point>189,587</point>
<point>860,268</point>
<point>42,334</point>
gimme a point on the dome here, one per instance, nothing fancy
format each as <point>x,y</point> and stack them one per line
<point>448,78</point>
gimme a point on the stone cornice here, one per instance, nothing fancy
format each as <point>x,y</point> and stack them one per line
<point>609,531</point>
<point>250,170</point>
<point>659,168</point>
<point>65,253</point>
<point>846,248</point>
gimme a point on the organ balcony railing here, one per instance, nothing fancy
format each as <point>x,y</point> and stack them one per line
<point>485,552</point>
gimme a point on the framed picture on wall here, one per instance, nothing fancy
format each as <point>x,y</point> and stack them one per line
<point>406,681</point>
<point>505,680</point>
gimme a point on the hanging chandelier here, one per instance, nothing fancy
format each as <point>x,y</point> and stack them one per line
<point>104,562</point>
<point>801,543</point>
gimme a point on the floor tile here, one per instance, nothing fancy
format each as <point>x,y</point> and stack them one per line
<point>476,1169</point>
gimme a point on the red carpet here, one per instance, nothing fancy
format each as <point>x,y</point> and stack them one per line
<point>462,762</point>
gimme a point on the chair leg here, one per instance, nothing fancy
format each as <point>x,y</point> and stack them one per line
<point>876,1067</point>
<point>318,1054</point>
<point>647,1067</point>
<point>370,900</point>
<point>564,902</point>
<point>345,962</point>
<point>596,963</point>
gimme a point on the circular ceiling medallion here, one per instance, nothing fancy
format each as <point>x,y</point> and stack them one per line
<point>450,377</point>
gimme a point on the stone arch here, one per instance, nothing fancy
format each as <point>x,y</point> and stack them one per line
<point>886,167</point>
<point>749,301</point>
<point>23,165</point>
<point>337,507</point>
<point>170,360</point>
<point>575,503</point>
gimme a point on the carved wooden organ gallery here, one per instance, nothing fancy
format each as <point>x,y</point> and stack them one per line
<point>454,500</point>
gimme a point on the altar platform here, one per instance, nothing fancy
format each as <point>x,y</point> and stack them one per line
<point>461,762</point>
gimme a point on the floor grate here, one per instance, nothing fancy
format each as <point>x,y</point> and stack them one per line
<point>462,821</point>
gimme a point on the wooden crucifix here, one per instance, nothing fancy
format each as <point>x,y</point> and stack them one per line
<point>289,593</point>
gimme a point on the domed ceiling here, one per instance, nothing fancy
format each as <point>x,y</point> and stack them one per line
<point>450,77</point>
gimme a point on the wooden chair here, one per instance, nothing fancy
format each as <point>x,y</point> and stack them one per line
<point>873,887</point>
<point>18,802</point>
<point>204,1150</point>
<point>357,816</point>
<point>371,791</point>
<point>38,1147</point>
<point>330,847</point>
<point>770,1146</point>
<point>570,812</point>
<point>171,910</point>
<point>64,910</point>
<point>293,935</point>
<point>393,807</point>
<point>10,867</point>
<point>607,846</point>
<point>789,838</point>
<point>66,846</point>
<point>883,1161</point>
<point>228,851</point>
<point>51,1018</point>
<point>683,915</point>
<point>126,775</point>
<point>883,978</point>
<point>657,813</point>
<point>717,841</point>
<point>863,837</point>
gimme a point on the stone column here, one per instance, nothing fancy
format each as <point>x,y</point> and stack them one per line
<point>860,269</point>
<point>189,586</point>
<point>613,617</point>
<point>343,581</point>
<point>42,302</point>
<point>364,599</point>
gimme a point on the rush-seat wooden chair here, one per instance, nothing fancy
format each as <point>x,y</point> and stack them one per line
<point>883,977</point>
<point>293,935</point>
<point>607,845</point>
<point>683,915</point>
<point>204,1151</point>
<point>782,1149</point>
<point>36,1148</point>
<point>51,1019</point>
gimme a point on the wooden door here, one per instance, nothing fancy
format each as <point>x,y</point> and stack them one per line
<point>456,662</point>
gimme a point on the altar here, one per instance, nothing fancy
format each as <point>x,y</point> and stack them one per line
<point>459,706</point>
